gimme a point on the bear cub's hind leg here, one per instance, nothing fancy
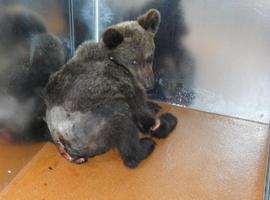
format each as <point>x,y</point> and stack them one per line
<point>131,148</point>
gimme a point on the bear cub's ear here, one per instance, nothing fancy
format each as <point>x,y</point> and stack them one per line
<point>150,20</point>
<point>112,38</point>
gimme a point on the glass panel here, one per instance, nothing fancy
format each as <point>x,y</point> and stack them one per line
<point>211,55</point>
<point>55,14</point>
<point>230,42</point>
<point>29,52</point>
<point>85,21</point>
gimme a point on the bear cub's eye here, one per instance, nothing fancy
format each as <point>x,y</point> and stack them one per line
<point>134,62</point>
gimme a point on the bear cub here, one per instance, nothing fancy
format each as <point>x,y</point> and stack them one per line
<point>97,101</point>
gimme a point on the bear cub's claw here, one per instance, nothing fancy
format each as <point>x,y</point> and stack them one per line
<point>168,123</point>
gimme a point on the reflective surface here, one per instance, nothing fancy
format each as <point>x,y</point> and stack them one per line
<point>211,55</point>
<point>231,44</point>
<point>30,51</point>
<point>55,13</point>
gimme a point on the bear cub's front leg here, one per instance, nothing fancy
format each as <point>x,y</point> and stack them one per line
<point>159,127</point>
<point>144,119</point>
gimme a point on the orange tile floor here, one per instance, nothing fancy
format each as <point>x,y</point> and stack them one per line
<point>208,157</point>
<point>13,158</point>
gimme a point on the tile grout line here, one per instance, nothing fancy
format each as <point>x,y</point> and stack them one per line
<point>211,113</point>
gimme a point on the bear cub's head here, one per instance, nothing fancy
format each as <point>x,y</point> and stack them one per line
<point>131,44</point>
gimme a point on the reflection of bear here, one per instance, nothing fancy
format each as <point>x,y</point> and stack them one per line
<point>173,66</point>
<point>97,100</point>
<point>28,55</point>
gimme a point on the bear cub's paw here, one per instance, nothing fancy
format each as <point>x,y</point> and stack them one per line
<point>168,123</point>
<point>145,123</point>
<point>154,107</point>
<point>147,147</point>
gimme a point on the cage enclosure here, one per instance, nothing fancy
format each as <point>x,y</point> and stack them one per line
<point>211,67</point>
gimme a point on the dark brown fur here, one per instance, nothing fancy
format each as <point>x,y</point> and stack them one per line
<point>97,101</point>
